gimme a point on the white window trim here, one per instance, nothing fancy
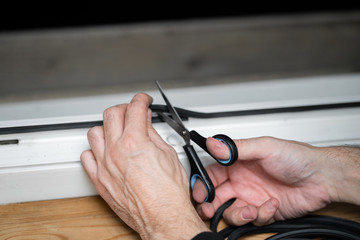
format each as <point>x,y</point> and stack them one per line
<point>46,165</point>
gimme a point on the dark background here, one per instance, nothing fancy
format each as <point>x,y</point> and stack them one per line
<point>30,17</point>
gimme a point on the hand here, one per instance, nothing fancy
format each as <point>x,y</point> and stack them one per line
<point>139,175</point>
<point>272,180</point>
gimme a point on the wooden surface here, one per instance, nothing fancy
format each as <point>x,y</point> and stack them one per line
<point>90,218</point>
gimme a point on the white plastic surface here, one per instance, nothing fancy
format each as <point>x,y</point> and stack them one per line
<point>46,165</point>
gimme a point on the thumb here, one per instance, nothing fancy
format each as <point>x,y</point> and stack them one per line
<point>217,148</point>
<point>248,149</point>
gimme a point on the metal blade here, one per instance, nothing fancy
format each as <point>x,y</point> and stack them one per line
<point>174,122</point>
<point>183,132</point>
<point>172,110</point>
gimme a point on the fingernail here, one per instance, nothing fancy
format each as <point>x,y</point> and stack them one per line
<point>223,150</point>
<point>246,214</point>
<point>219,143</point>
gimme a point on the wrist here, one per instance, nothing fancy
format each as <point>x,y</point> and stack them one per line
<point>341,166</point>
<point>184,224</point>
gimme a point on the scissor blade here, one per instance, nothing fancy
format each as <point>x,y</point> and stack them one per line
<point>183,132</point>
<point>172,110</point>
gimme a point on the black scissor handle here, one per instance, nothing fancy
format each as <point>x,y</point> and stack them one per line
<point>232,148</point>
<point>201,141</point>
<point>198,172</point>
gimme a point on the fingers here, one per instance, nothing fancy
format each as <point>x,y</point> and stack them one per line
<point>223,193</point>
<point>113,127</point>
<point>132,116</point>
<point>248,149</point>
<point>256,148</point>
<point>88,161</point>
<point>97,141</point>
<point>199,191</point>
<point>217,148</point>
<point>113,121</point>
<point>154,135</point>
<point>240,213</point>
<point>218,175</point>
<point>136,117</point>
<point>266,212</point>
<point>91,168</point>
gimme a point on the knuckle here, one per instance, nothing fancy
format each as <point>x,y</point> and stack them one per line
<point>114,111</point>
<point>102,176</point>
<point>102,179</point>
<point>132,104</point>
<point>94,132</point>
<point>136,104</point>
<point>112,155</point>
<point>110,112</point>
<point>131,142</point>
<point>140,99</point>
<point>85,154</point>
<point>142,96</point>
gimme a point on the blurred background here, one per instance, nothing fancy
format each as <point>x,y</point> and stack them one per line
<point>56,51</point>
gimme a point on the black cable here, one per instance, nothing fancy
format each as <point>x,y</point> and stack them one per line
<point>313,233</point>
<point>219,213</point>
<point>305,227</point>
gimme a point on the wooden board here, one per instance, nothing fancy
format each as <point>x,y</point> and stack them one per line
<point>120,58</point>
<point>78,218</point>
<point>90,218</point>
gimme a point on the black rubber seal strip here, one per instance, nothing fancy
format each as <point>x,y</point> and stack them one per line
<point>193,114</point>
<point>49,127</point>
<point>183,113</point>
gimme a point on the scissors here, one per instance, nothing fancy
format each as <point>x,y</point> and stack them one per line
<point>196,167</point>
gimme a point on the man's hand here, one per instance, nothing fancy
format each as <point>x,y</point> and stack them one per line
<point>139,175</point>
<point>272,180</point>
